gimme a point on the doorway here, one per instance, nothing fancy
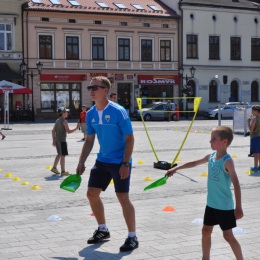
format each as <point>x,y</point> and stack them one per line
<point>123,92</point>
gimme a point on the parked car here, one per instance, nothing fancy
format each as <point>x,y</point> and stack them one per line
<point>155,111</point>
<point>226,110</point>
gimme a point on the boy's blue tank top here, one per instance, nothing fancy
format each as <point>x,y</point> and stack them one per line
<point>219,193</point>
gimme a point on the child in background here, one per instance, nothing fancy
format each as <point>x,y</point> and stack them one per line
<point>83,125</point>
<point>220,205</point>
<point>254,128</point>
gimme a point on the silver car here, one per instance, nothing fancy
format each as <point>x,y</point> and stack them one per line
<point>156,111</point>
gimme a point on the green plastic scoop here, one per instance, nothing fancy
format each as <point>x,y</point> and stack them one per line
<point>71,183</point>
<point>157,183</point>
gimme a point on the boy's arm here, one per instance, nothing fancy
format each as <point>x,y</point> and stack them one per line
<point>53,136</point>
<point>188,165</point>
<point>230,167</point>
<point>251,124</point>
<point>66,125</point>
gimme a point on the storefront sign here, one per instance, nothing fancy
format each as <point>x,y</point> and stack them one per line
<point>158,79</point>
<point>98,74</point>
<point>63,77</point>
<point>119,76</point>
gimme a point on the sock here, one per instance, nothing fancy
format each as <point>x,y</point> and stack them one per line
<point>131,234</point>
<point>102,227</point>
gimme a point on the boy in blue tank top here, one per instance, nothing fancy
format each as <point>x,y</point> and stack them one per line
<point>220,208</point>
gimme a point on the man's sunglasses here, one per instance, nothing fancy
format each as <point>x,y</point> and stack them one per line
<point>94,88</point>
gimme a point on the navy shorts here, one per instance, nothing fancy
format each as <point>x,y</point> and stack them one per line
<point>255,145</point>
<point>224,218</point>
<point>102,173</point>
<point>62,148</point>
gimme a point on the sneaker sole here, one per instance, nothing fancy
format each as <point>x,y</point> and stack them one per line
<point>100,240</point>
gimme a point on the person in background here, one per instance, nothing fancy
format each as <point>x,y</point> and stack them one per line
<point>127,106</point>
<point>3,136</point>
<point>177,112</point>
<point>110,123</point>
<point>254,128</point>
<point>168,109</point>
<point>113,97</point>
<point>59,135</point>
<point>82,118</point>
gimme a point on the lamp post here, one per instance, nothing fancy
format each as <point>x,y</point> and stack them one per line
<point>32,75</point>
<point>185,88</point>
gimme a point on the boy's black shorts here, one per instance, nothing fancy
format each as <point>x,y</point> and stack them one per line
<point>224,218</point>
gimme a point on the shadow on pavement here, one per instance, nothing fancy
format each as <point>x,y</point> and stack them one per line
<point>257,174</point>
<point>53,178</point>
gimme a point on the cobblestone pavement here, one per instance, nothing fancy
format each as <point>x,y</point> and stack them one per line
<point>25,232</point>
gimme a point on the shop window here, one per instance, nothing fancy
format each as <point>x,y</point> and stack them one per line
<point>45,46</point>
<point>165,50</point>
<point>235,46</point>
<point>124,49</point>
<point>6,35</point>
<point>214,47</point>
<point>213,91</point>
<point>56,95</point>
<point>192,46</point>
<point>72,48</point>
<point>255,49</point>
<point>146,50</point>
<point>254,91</point>
<point>98,48</point>
<point>234,91</point>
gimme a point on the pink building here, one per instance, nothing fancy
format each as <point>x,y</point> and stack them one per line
<point>133,43</point>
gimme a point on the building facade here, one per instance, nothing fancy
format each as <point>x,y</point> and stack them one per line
<point>221,39</point>
<point>134,44</point>
<point>11,48</point>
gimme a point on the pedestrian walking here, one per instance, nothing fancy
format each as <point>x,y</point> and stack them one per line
<point>127,105</point>
<point>109,121</point>
<point>113,97</point>
<point>254,128</point>
<point>59,135</point>
<point>168,109</point>
<point>220,205</point>
<point>82,119</point>
<point>177,112</point>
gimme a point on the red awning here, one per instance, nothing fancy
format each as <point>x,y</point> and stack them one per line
<point>13,88</point>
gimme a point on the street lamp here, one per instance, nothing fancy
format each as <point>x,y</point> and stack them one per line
<point>32,75</point>
<point>185,88</point>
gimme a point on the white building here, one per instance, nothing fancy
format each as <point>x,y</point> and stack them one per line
<point>221,39</point>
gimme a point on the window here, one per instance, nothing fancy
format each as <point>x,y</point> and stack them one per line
<point>72,21</point>
<point>146,25</point>
<point>146,50</point>
<point>45,19</point>
<point>123,23</point>
<point>102,4</point>
<point>255,49</point>
<point>37,1</point>
<point>234,91</point>
<point>45,46</point>
<point>5,37</point>
<point>154,7</point>
<point>165,25</point>
<point>214,47</point>
<point>55,95</point>
<point>98,49</point>
<point>120,6</point>
<point>98,22</point>
<point>235,47</point>
<point>74,2</point>
<point>72,48</point>
<point>124,49</point>
<point>55,2</point>
<point>165,50</point>
<point>137,6</point>
<point>213,91</point>
<point>192,46</point>
<point>254,91</point>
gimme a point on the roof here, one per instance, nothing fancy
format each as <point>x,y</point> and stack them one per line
<point>91,6</point>
<point>7,74</point>
<point>236,4</point>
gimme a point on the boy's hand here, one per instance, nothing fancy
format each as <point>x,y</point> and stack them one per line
<point>239,213</point>
<point>170,172</point>
<point>80,168</point>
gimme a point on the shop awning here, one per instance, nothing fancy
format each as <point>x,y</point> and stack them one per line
<point>13,88</point>
<point>7,74</point>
